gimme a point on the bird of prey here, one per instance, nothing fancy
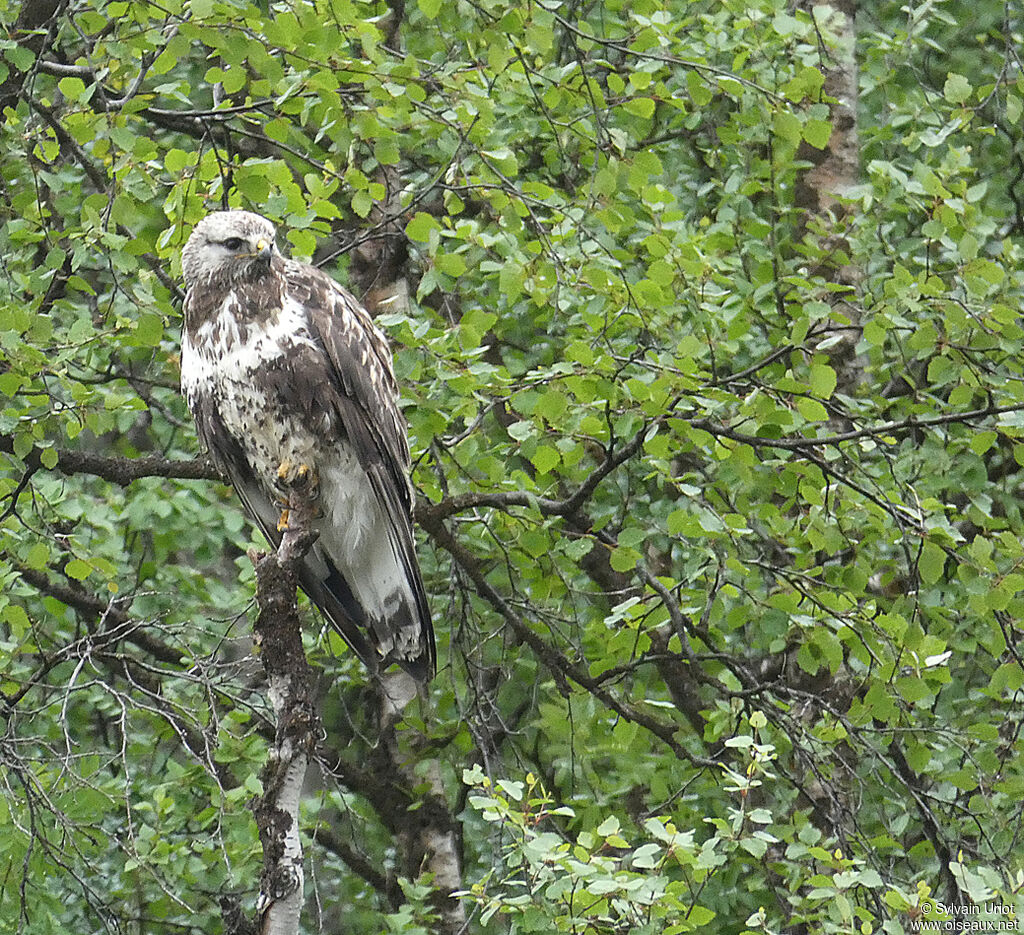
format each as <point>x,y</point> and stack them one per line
<point>291,386</point>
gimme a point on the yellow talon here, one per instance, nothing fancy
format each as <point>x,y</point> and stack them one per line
<point>282,523</point>
<point>290,474</point>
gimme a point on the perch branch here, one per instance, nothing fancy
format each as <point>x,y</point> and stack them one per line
<point>279,637</point>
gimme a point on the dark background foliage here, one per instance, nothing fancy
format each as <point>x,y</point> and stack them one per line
<point>718,474</point>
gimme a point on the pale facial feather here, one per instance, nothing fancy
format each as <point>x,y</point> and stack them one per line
<point>205,257</point>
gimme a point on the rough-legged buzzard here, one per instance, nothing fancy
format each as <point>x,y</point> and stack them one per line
<point>290,383</point>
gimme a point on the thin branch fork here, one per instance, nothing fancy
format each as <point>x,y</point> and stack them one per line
<point>291,680</point>
<point>562,669</point>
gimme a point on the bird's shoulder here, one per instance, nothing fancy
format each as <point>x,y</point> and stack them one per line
<point>358,355</point>
<point>338,315</point>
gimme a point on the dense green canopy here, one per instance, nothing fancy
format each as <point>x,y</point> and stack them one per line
<point>716,403</point>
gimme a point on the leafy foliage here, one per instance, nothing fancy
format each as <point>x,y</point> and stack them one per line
<point>719,495</point>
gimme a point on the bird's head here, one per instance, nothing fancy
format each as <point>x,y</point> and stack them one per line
<point>228,247</point>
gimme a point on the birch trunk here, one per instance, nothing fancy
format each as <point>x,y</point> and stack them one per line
<point>427,835</point>
<point>834,172</point>
<point>279,636</point>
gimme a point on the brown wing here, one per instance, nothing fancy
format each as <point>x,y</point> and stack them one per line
<point>366,399</point>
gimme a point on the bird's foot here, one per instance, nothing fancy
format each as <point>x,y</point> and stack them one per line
<point>297,475</point>
<point>299,492</point>
<point>284,520</point>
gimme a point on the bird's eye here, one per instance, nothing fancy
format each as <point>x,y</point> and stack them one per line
<point>233,243</point>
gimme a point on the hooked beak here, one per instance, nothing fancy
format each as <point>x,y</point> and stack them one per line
<point>264,249</point>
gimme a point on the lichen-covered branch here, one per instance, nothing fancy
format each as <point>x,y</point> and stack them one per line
<point>290,687</point>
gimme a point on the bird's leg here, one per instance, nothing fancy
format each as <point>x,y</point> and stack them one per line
<point>300,530</point>
<point>295,479</point>
<point>298,475</point>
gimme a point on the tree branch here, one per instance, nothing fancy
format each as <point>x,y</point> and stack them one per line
<point>114,625</point>
<point>795,443</point>
<point>384,883</point>
<point>432,514</point>
<point>117,470</point>
<point>123,471</point>
<point>557,664</point>
<point>291,680</point>
<point>29,34</point>
<point>119,625</point>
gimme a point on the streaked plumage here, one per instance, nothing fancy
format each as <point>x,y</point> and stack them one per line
<point>281,366</point>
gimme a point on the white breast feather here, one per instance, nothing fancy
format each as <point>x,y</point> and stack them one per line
<point>225,360</point>
<point>220,355</point>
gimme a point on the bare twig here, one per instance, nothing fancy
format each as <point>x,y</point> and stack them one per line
<point>561,668</point>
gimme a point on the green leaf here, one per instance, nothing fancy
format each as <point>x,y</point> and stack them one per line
<point>681,522</point>
<point>932,562</point>
<point>830,647</point>
<point>941,370</point>
<point>77,569</point>
<point>957,88</point>
<point>421,227</point>
<point>811,409</point>
<point>514,790</point>
<point>823,380</point>
<point>72,88</point>
<point>278,130</point>
<point>39,555</point>
<point>1014,108</point>
<point>552,405</point>
<point>17,617</point>
<point>982,441</point>
<point>20,56</point>
<point>175,160</point>
<point>817,132</point>
<point>521,431</point>
<point>149,330</point>
<point>785,25</point>
<point>913,689</point>
<point>510,281</point>
<point>699,915</point>
<point>787,125</point>
<point>700,93</point>
<point>362,203</point>
<point>386,150</point>
<point>545,459</point>
<point>624,559</point>
<point>451,264</point>
<point>640,107</point>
